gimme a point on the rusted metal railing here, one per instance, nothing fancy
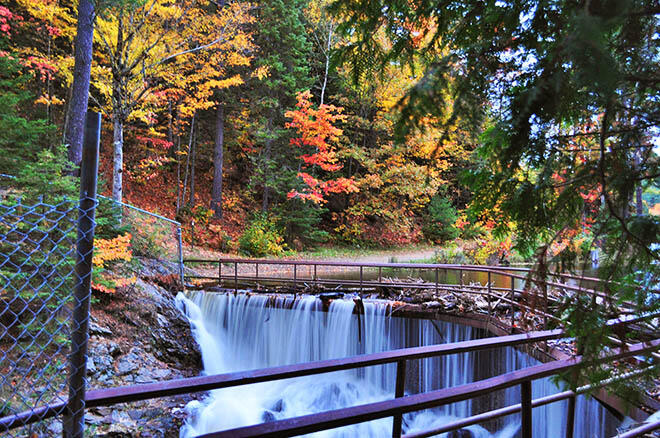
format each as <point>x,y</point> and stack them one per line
<point>352,415</point>
<point>517,295</point>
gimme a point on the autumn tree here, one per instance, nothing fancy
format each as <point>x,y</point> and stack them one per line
<point>21,137</point>
<point>142,44</point>
<point>317,133</point>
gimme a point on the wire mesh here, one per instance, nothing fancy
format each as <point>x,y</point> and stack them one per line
<point>154,238</point>
<point>38,253</point>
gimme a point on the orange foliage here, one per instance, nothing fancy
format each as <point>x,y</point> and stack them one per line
<point>317,132</point>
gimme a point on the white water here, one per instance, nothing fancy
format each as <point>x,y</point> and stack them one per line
<point>241,332</point>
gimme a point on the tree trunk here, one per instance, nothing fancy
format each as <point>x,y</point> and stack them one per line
<point>118,160</point>
<point>191,200</point>
<point>216,193</point>
<point>187,171</point>
<point>264,199</point>
<point>327,64</point>
<point>178,173</point>
<point>267,155</point>
<point>81,76</point>
<point>170,122</point>
<point>639,205</point>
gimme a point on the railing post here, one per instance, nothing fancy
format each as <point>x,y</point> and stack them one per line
<point>570,420</point>
<point>256,267</point>
<point>436,281</point>
<point>380,274</point>
<point>295,275</point>
<point>489,295</point>
<point>74,423</point>
<point>398,393</point>
<point>315,273</point>
<point>460,279</point>
<point>526,403</point>
<point>361,276</point>
<point>513,300</point>
<point>220,273</point>
<point>235,277</point>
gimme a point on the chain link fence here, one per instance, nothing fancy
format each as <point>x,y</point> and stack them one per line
<point>46,251</point>
<point>38,253</point>
<point>153,238</point>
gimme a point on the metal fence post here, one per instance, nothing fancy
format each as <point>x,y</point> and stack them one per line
<point>526,403</point>
<point>398,392</point>
<point>180,244</point>
<point>74,419</point>
<point>570,419</point>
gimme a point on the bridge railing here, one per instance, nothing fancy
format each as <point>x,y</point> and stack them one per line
<point>400,405</point>
<point>390,408</point>
<point>517,287</point>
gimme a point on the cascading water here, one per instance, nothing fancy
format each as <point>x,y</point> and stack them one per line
<point>242,332</point>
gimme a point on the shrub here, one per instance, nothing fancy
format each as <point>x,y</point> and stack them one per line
<point>107,252</point>
<point>439,220</point>
<point>300,221</point>
<point>262,237</point>
<point>451,255</point>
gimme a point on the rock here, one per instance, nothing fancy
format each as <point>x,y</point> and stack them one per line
<point>118,416</point>
<point>162,321</point>
<point>95,329</point>
<point>116,430</point>
<point>434,305</point>
<point>268,417</point>
<point>146,375</point>
<point>93,419</point>
<point>128,364</point>
<point>278,406</point>
<point>55,428</point>
<point>91,368</point>
<point>114,349</point>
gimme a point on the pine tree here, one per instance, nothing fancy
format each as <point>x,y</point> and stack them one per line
<point>283,51</point>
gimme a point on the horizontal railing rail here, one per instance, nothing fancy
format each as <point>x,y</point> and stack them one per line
<point>517,293</point>
<point>110,396</point>
<point>510,272</point>
<point>514,409</point>
<point>399,406</point>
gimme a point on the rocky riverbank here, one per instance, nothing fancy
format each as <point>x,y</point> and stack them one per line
<point>137,336</point>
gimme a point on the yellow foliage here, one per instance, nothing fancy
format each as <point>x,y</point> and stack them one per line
<point>106,250</point>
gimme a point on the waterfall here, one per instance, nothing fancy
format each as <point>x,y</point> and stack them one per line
<point>239,332</point>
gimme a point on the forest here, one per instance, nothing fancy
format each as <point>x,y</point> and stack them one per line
<point>527,131</point>
<point>517,133</point>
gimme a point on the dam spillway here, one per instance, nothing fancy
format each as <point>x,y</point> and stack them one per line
<point>242,331</point>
